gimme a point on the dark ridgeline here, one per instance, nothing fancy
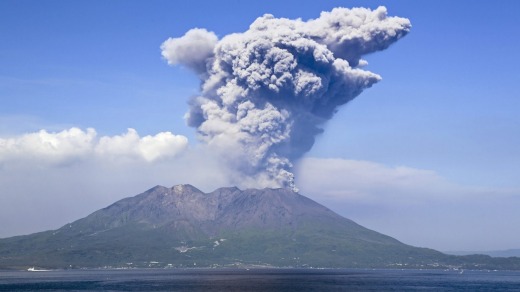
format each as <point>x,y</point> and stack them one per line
<point>184,227</point>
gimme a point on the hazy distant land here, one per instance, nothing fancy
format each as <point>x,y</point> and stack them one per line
<point>491,253</point>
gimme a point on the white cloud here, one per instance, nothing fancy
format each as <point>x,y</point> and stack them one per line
<point>75,144</point>
<point>51,147</point>
<point>149,148</point>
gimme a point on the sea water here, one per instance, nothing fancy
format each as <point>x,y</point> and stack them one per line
<point>260,280</point>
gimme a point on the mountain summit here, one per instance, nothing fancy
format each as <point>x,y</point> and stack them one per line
<point>185,227</point>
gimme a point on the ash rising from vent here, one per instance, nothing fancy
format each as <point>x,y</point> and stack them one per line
<point>266,92</point>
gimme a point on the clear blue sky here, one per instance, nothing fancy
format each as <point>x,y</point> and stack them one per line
<point>448,102</point>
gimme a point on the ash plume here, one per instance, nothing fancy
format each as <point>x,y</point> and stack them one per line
<point>267,92</point>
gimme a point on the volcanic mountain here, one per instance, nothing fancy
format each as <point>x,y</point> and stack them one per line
<point>184,227</point>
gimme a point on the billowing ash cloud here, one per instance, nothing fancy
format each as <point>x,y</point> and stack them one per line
<point>266,92</point>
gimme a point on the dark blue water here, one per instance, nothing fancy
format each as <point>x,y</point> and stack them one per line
<point>260,280</point>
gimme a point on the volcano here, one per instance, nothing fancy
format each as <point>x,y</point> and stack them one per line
<point>185,227</point>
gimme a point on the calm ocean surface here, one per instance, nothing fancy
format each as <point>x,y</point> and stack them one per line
<point>260,280</point>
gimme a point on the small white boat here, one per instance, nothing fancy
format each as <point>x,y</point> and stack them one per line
<point>33,269</point>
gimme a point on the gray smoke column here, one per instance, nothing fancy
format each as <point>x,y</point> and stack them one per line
<point>266,92</point>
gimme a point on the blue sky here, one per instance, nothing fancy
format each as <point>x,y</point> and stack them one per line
<point>447,103</point>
